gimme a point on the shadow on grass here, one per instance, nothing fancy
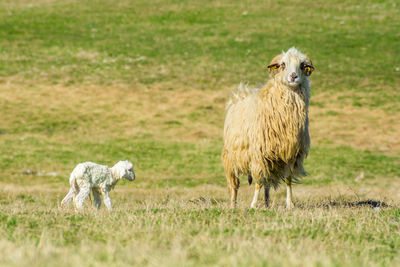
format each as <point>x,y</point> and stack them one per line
<point>349,204</point>
<point>364,203</point>
<point>324,204</point>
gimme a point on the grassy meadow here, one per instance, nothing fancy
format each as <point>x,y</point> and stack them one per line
<point>147,81</point>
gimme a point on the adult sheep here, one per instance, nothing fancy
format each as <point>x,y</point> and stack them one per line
<point>266,130</point>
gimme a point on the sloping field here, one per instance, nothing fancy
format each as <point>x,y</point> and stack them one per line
<point>147,81</point>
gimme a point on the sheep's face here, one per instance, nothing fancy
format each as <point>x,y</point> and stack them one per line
<point>291,68</point>
<point>125,169</point>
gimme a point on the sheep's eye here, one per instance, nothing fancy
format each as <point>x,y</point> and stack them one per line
<point>283,65</point>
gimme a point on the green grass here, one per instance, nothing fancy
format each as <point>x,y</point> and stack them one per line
<point>179,164</point>
<point>198,234</point>
<point>147,81</point>
<point>203,44</point>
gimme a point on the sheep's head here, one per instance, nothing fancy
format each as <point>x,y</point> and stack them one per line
<point>125,170</point>
<point>292,68</point>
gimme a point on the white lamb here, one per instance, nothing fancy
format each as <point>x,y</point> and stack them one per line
<point>99,179</point>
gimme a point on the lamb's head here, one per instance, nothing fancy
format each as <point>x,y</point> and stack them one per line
<point>124,169</point>
<point>291,68</point>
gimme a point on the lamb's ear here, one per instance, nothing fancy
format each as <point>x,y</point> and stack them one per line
<point>274,65</point>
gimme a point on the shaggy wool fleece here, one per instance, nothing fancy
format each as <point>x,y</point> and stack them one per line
<point>266,130</point>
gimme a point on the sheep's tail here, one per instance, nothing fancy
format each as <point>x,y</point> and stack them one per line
<point>240,93</point>
<point>73,183</point>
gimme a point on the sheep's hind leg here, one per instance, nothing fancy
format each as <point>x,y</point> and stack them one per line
<point>67,199</point>
<point>80,197</point>
<point>267,187</point>
<point>96,199</point>
<point>289,202</point>
<point>234,192</point>
<point>256,193</point>
<point>233,183</point>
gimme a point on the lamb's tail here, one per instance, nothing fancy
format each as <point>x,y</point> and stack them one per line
<point>241,92</point>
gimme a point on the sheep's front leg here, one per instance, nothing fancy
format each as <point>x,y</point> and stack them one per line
<point>96,199</point>
<point>81,196</point>
<point>256,193</point>
<point>107,200</point>
<point>289,202</point>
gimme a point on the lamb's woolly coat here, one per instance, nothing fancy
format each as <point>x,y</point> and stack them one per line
<point>266,130</point>
<point>92,175</point>
<point>99,179</point>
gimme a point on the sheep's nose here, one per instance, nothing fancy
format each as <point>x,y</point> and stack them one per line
<point>293,76</point>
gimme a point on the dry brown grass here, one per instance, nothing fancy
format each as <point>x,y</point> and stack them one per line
<point>190,228</point>
<point>358,127</point>
<point>185,114</point>
<point>178,114</point>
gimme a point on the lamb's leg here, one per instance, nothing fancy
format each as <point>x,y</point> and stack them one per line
<point>267,187</point>
<point>67,199</point>
<point>107,200</point>
<point>289,202</point>
<point>258,187</point>
<point>96,199</point>
<point>81,196</point>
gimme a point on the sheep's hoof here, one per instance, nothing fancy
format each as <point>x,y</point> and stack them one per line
<point>289,205</point>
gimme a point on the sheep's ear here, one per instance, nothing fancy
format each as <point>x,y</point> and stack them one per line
<point>309,68</point>
<point>273,67</point>
<point>275,64</point>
